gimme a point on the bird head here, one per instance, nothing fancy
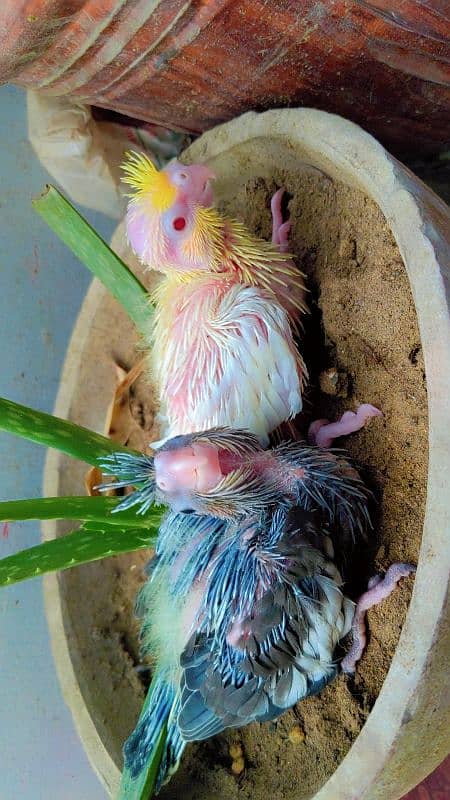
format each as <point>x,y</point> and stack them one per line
<point>170,222</point>
<point>209,473</point>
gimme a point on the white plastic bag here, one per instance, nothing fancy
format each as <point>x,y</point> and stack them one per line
<point>84,155</point>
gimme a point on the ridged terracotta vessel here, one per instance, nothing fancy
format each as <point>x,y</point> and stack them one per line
<point>191,64</point>
<point>407,733</point>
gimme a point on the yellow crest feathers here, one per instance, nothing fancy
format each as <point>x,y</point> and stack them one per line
<point>148,182</point>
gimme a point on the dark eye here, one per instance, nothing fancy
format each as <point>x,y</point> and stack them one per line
<point>179,223</point>
<point>183,176</point>
<point>187,511</point>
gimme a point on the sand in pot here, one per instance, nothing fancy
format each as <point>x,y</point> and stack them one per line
<point>361,343</point>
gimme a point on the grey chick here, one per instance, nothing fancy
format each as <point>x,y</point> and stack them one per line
<point>243,608</point>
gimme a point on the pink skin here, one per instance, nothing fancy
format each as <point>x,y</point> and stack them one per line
<point>137,229</point>
<point>193,189</point>
<point>193,182</point>
<point>322,432</point>
<point>280,229</point>
<point>239,632</point>
<point>280,238</point>
<point>145,224</point>
<point>378,589</point>
<point>180,473</point>
<point>183,557</point>
<point>192,469</point>
<point>190,614</point>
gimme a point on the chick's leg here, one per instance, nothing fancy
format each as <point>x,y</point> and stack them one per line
<point>280,229</point>
<point>379,588</point>
<point>322,431</point>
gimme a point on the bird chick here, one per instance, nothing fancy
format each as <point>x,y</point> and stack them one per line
<point>227,474</point>
<point>243,618</point>
<point>243,607</point>
<point>225,309</point>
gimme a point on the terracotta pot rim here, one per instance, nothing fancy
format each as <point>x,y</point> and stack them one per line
<point>97,753</point>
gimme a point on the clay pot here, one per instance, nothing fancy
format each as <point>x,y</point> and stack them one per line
<point>407,732</point>
<point>192,65</point>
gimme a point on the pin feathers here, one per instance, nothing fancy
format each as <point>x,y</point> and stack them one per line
<point>225,310</point>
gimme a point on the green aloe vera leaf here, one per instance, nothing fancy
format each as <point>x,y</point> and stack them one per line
<point>95,254</point>
<point>58,433</point>
<point>91,542</point>
<point>99,509</point>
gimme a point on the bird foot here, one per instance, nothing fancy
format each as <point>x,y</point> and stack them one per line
<point>280,229</point>
<point>322,431</point>
<point>378,589</point>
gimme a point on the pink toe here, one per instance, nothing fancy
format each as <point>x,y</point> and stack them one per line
<point>399,570</point>
<point>314,429</point>
<point>277,217</point>
<point>366,411</point>
<point>379,588</point>
<point>276,199</point>
<point>283,236</point>
<point>275,207</point>
<point>347,416</point>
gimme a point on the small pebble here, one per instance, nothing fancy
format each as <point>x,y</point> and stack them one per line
<point>235,751</point>
<point>333,382</point>
<point>296,735</point>
<point>238,766</point>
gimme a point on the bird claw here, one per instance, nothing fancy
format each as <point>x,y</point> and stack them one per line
<point>322,432</point>
<point>280,229</point>
<point>378,589</point>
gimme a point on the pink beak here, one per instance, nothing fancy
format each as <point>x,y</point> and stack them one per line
<point>202,177</point>
<point>194,468</point>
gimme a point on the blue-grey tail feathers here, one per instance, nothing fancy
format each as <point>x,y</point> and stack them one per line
<point>195,720</point>
<point>161,707</point>
<point>172,752</point>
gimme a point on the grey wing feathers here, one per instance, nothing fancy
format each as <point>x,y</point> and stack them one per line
<point>283,650</point>
<point>266,629</point>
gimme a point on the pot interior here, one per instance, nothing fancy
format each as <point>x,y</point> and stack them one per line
<point>361,344</point>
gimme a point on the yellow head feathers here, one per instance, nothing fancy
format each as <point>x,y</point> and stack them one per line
<point>148,182</point>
